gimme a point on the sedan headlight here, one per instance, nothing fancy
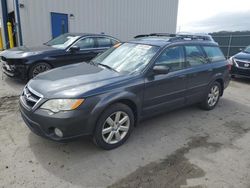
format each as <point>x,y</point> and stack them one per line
<point>231,61</point>
<point>57,105</point>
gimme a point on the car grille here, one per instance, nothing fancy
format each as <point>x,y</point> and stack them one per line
<point>30,98</point>
<point>243,64</point>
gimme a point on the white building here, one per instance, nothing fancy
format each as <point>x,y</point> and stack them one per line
<point>37,21</point>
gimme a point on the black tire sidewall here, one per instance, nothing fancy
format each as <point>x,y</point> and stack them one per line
<point>98,130</point>
<point>30,73</point>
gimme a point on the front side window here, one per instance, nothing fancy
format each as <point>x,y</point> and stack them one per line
<point>62,41</point>
<point>172,57</point>
<point>85,43</point>
<point>127,58</point>
<point>214,54</point>
<point>195,56</point>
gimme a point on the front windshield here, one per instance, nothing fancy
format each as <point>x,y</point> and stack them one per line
<point>127,58</point>
<point>63,41</point>
<point>247,49</point>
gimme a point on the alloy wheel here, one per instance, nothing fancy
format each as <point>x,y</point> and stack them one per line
<point>213,95</point>
<point>115,127</point>
<point>39,69</point>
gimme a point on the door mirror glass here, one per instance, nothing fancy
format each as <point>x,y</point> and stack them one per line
<point>74,48</point>
<point>161,69</point>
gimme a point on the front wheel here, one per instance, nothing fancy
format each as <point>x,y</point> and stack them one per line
<point>114,126</point>
<point>38,68</point>
<point>213,97</point>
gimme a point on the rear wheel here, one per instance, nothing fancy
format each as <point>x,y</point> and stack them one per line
<point>38,68</point>
<point>213,96</point>
<point>114,126</point>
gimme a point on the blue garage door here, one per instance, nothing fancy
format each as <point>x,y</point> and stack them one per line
<point>59,24</point>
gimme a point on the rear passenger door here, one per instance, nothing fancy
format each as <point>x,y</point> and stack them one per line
<point>199,72</point>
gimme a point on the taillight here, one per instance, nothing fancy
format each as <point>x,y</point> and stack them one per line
<point>230,63</point>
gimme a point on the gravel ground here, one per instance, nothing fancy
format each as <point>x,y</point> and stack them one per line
<point>187,148</point>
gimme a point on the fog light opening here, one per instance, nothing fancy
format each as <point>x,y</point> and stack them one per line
<point>58,132</point>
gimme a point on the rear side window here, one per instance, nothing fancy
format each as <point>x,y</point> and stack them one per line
<point>103,42</point>
<point>214,53</point>
<point>195,56</point>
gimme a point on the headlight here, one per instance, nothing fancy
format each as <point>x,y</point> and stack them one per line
<point>231,61</point>
<point>57,105</point>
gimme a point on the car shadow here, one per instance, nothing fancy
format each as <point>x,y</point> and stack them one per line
<point>242,80</point>
<point>82,163</point>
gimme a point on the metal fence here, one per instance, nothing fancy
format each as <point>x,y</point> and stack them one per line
<point>231,44</point>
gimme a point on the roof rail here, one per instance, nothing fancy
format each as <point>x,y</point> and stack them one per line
<point>155,34</point>
<point>175,37</point>
<point>190,37</point>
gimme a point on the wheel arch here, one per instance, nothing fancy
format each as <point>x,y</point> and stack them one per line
<point>220,81</point>
<point>126,98</point>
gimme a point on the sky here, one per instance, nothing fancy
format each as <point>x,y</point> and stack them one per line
<point>206,16</point>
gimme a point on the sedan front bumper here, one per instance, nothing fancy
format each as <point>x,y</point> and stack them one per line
<point>18,71</point>
<point>241,72</point>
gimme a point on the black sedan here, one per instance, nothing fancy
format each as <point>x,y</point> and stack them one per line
<point>27,62</point>
<point>241,63</point>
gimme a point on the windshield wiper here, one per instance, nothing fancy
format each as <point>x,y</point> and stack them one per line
<point>108,67</point>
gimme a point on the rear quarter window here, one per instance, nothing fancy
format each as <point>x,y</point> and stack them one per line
<point>214,53</point>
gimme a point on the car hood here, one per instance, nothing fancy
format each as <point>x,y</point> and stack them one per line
<point>74,81</point>
<point>242,56</point>
<point>24,51</point>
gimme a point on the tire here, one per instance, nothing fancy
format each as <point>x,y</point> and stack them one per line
<point>115,134</point>
<point>212,96</point>
<point>38,68</point>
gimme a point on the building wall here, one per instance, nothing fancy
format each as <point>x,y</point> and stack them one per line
<point>120,18</point>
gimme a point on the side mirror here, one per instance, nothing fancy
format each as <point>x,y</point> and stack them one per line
<point>161,69</point>
<point>240,49</point>
<point>74,48</point>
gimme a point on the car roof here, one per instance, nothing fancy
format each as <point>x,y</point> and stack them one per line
<point>162,41</point>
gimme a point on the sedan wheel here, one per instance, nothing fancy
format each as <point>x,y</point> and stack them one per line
<point>38,68</point>
<point>116,127</point>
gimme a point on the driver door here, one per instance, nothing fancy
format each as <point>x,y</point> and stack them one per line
<point>166,91</point>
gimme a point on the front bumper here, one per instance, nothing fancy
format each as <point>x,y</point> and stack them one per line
<point>241,72</point>
<point>17,71</point>
<point>73,124</point>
